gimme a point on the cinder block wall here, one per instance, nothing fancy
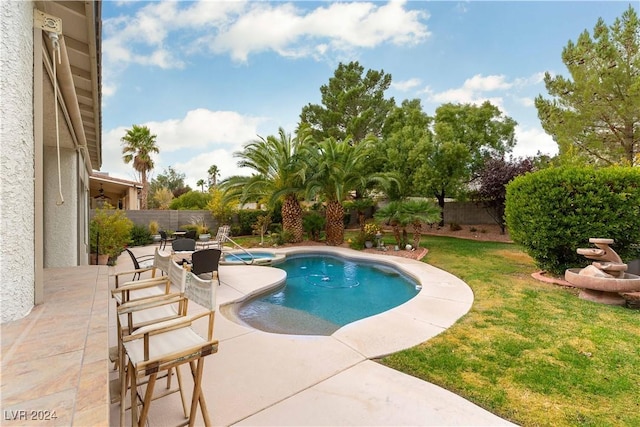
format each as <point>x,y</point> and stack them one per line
<point>466,213</point>
<point>169,219</point>
<point>463,213</point>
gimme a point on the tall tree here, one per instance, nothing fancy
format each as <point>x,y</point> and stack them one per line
<point>138,146</point>
<point>200,184</point>
<point>214,174</point>
<point>333,174</point>
<point>277,177</point>
<point>353,105</point>
<point>162,198</point>
<point>493,180</point>
<point>171,179</point>
<point>405,143</point>
<point>465,137</point>
<point>596,112</point>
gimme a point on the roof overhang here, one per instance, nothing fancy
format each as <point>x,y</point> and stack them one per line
<point>78,76</point>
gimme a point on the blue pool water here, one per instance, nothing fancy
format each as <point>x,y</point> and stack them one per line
<point>323,293</point>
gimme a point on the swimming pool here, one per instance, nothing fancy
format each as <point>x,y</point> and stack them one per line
<point>325,292</point>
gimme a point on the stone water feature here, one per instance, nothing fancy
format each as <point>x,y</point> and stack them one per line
<point>606,278</point>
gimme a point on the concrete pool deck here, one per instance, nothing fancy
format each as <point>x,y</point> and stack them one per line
<point>264,379</point>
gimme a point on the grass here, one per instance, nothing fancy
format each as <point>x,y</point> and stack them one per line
<point>530,352</point>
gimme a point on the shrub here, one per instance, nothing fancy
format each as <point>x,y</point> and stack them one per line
<point>313,224</point>
<point>192,200</point>
<point>114,230</point>
<point>154,227</point>
<point>454,226</point>
<point>553,212</point>
<point>246,219</point>
<point>371,228</point>
<point>221,210</point>
<point>357,242</point>
<point>140,235</point>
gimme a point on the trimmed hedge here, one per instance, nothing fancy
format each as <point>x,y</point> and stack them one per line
<point>553,212</point>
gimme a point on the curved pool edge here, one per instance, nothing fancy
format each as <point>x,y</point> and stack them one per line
<point>443,300</point>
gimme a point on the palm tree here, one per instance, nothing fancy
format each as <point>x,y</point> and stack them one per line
<point>418,212</point>
<point>200,184</point>
<point>214,173</point>
<point>360,206</point>
<point>401,213</point>
<point>277,167</point>
<point>334,172</point>
<point>390,215</point>
<point>138,145</point>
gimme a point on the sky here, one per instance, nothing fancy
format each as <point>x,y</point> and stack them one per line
<point>208,76</point>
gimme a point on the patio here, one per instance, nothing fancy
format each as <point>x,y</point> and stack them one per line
<point>256,378</point>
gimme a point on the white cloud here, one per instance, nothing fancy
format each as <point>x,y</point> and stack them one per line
<point>533,140</point>
<point>196,167</point>
<point>339,27</point>
<point>243,28</point>
<point>201,136</point>
<point>406,85</point>
<point>532,80</point>
<point>472,90</point>
<point>478,83</point>
<point>525,101</point>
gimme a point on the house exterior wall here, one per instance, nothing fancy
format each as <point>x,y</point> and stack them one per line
<point>61,238</point>
<point>17,267</point>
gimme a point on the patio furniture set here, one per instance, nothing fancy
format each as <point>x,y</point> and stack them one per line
<point>155,326</point>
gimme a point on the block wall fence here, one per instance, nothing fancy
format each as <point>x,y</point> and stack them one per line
<point>463,213</point>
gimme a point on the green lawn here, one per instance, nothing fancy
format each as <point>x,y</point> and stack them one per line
<point>530,352</point>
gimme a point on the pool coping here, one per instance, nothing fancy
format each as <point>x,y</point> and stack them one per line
<point>442,300</point>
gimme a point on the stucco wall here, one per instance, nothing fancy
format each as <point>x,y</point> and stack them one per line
<point>60,221</point>
<point>16,159</point>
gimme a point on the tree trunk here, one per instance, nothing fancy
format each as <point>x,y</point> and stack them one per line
<point>145,191</point>
<point>361,220</point>
<point>335,223</point>
<point>417,233</point>
<point>440,197</point>
<point>396,233</point>
<point>292,218</point>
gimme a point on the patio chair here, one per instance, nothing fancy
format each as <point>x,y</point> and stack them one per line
<point>142,288</point>
<point>161,261</point>
<point>141,312</point>
<point>183,245</point>
<point>205,262</point>
<point>191,234</point>
<point>141,263</point>
<point>221,236</point>
<point>164,238</point>
<point>166,345</point>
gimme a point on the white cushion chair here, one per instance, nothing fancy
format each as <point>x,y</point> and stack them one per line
<point>143,303</point>
<point>160,347</point>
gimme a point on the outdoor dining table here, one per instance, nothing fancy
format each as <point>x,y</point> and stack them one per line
<point>181,256</point>
<point>179,234</point>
